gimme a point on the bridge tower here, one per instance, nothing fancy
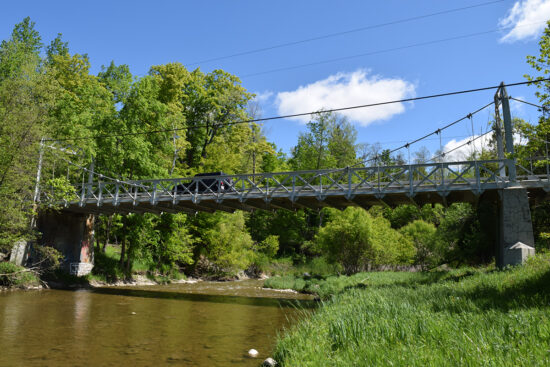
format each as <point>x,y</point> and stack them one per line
<point>514,220</point>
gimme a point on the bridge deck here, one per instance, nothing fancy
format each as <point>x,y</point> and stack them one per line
<point>392,185</point>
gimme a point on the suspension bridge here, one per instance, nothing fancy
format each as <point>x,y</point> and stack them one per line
<point>368,183</point>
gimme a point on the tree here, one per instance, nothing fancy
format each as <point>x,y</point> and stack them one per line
<point>356,240</point>
<point>56,48</point>
<point>175,245</point>
<point>26,94</point>
<point>541,65</point>
<point>228,244</point>
<point>118,80</point>
<point>20,51</point>
<point>328,143</point>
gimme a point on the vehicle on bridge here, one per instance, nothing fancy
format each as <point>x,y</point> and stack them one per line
<point>208,182</point>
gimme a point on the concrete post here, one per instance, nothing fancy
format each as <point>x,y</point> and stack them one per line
<point>514,224</point>
<point>73,235</point>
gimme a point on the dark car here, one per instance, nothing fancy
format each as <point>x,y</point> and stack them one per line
<point>207,185</point>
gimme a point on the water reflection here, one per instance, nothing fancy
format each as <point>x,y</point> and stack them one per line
<point>208,324</point>
<point>81,312</point>
<point>195,297</point>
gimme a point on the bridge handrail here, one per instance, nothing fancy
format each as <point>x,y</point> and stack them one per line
<point>349,181</point>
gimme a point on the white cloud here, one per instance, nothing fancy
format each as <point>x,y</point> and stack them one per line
<point>526,18</point>
<point>348,89</point>
<point>263,97</point>
<point>517,107</point>
<point>467,150</point>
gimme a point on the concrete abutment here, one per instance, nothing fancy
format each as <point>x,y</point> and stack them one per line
<point>515,226</point>
<point>73,235</point>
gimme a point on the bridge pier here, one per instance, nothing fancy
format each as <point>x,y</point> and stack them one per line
<point>514,225</point>
<point>73,235</point>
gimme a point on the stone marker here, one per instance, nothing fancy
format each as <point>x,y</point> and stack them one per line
<point>19,253</point>
<point>253,353</point>
<point>270,362</point>
<point>517,254</point>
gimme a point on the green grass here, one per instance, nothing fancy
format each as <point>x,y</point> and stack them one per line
<point>106,267</point>
<point>326,287</point>
<point>467,317</point>
<point>285,267</point>
<point>16,276</point>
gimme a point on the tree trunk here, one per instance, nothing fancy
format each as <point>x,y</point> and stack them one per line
<point>107,233</point>
<point>128,264</point>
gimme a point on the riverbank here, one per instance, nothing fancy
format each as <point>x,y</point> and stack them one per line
<point>17,277</point>
<point>459,317</point>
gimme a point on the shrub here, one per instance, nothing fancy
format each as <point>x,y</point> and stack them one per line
<point>422,235</point>
<point>354,239</point>
<point>269,246</point>
<point>12,275</point>
<point>228,244</point>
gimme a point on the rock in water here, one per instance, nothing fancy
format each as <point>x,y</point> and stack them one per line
<point>253,353</point>
<point>270,362</point>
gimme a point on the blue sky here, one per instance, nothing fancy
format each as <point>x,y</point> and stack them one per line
<point>143,33</point>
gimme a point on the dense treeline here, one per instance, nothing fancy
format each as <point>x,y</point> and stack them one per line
<point>48,91</point>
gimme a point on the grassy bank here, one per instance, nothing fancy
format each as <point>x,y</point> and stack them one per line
<point>14,276</point>
<point>464,317</point>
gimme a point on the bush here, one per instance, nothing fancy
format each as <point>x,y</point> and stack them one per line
<point>356,240</point>
<point>422,235</point>
<point>12,275</point>
<point>46,258</point>
<point>269,246</point>
<point>228,244</point>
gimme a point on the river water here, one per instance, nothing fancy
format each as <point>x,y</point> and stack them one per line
<point>200,324</point>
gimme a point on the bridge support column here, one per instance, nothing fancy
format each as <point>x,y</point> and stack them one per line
<point>73,235</point>
<point>514,226</point>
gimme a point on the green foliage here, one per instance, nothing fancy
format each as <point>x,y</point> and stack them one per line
<point>106,266</point>
<point>12,275</point>
<point>356,240</point>
<point>227,243</point>
<point>422,235</point>
<point>541,64</point>
<point>46,258</point>
<point>330,142</point>
<point>460,237</point>
<point>403,214</point>
<point>21,50</point>
<point>292,228</point>
<point>476,317</point>
<point>175,245</point>
<point>25,97</point>
<point>57,190</point>
<point>118,80</point>
<point>269,246</point>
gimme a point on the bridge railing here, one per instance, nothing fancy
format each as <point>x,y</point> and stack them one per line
<point>442,177</point>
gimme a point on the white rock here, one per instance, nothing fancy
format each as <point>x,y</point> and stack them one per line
<point>270,362</point>
<point>253,353</point>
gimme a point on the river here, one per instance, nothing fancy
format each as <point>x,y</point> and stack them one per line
<point>200,324</point>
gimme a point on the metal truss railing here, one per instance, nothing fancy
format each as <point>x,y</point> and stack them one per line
<point>347,183</point>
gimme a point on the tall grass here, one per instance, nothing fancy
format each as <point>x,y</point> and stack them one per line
<point>12,275</point>
<point>468,317</point>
